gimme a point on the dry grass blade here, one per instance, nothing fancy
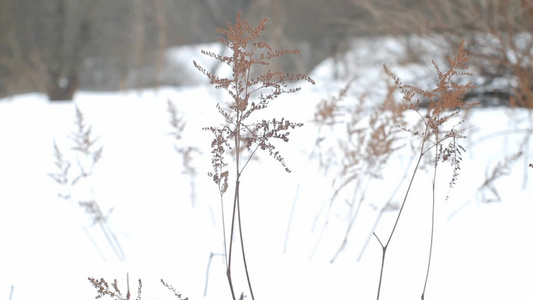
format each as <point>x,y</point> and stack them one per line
<point>187,152</point>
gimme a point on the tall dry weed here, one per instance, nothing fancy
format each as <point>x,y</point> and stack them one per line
<point>441,135</point>
<point>251,86</point>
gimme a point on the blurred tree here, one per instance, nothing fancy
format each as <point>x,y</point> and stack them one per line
<point>499,37</point>
<point>58,46</point>
<point>44,43</point>
<point>70,32</point>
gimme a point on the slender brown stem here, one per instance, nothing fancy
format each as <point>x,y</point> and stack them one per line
<point>230,282</point>
<point>382,210</point>
<point>432,224</point>
<point>407,192</point>
<point>242,248</point>
<point>232,230</point>
<point>383,251</point>
<point>384,247</point>
<point>235,207</point>
<point>228,269</point>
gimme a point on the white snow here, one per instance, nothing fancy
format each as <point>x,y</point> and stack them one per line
<point>482,250</point>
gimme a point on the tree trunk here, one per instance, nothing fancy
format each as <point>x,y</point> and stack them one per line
<point>63,67</point>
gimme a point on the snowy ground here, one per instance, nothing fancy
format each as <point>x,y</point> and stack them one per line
<point>482,251</point>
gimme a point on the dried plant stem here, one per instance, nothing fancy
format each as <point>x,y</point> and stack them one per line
<point>382,210</point>
<point>228,267</point>
<point>432,223</point>
<point>236,213</point>
<point>385,246</point>
<point>242,250</point>
<point>351,222</point>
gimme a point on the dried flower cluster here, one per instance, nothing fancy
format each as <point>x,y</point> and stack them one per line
<point>250,93</point>
<point>103,289</point>
<point>445,102</point>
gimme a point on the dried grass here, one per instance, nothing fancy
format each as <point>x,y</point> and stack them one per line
<point>187,153</point>
<point>70,174</point>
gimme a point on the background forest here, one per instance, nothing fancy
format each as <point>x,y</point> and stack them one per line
<point>60,46</point>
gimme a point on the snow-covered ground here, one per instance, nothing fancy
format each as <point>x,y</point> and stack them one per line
<point>49,247</point>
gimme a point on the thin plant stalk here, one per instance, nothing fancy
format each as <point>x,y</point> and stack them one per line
<point>432,223</point>
<point>444,103</point>
<point>386,245</point>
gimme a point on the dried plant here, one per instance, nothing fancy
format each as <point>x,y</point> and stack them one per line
<point>361,137</point>
<point>251,89</point>
<point>372,136</point>
<point>85,155</point>
<point>112,290</point>
<point>187,152</point>
<point>62,175</point>
<point>170,287</point>
<point>501,169</point>
<point>445,104</point>
<point>327,115</point>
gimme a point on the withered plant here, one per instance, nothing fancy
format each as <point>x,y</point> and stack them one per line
<point>251,86</point>
<point>501,169</point>
<point>327,116</point>
<point>359,136</point>
<point>440,135</point>
<point>187,152</point>
<point>74,176</point>
<point>176,293</point>
<point>112,290</point>
<point>370,138</point>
